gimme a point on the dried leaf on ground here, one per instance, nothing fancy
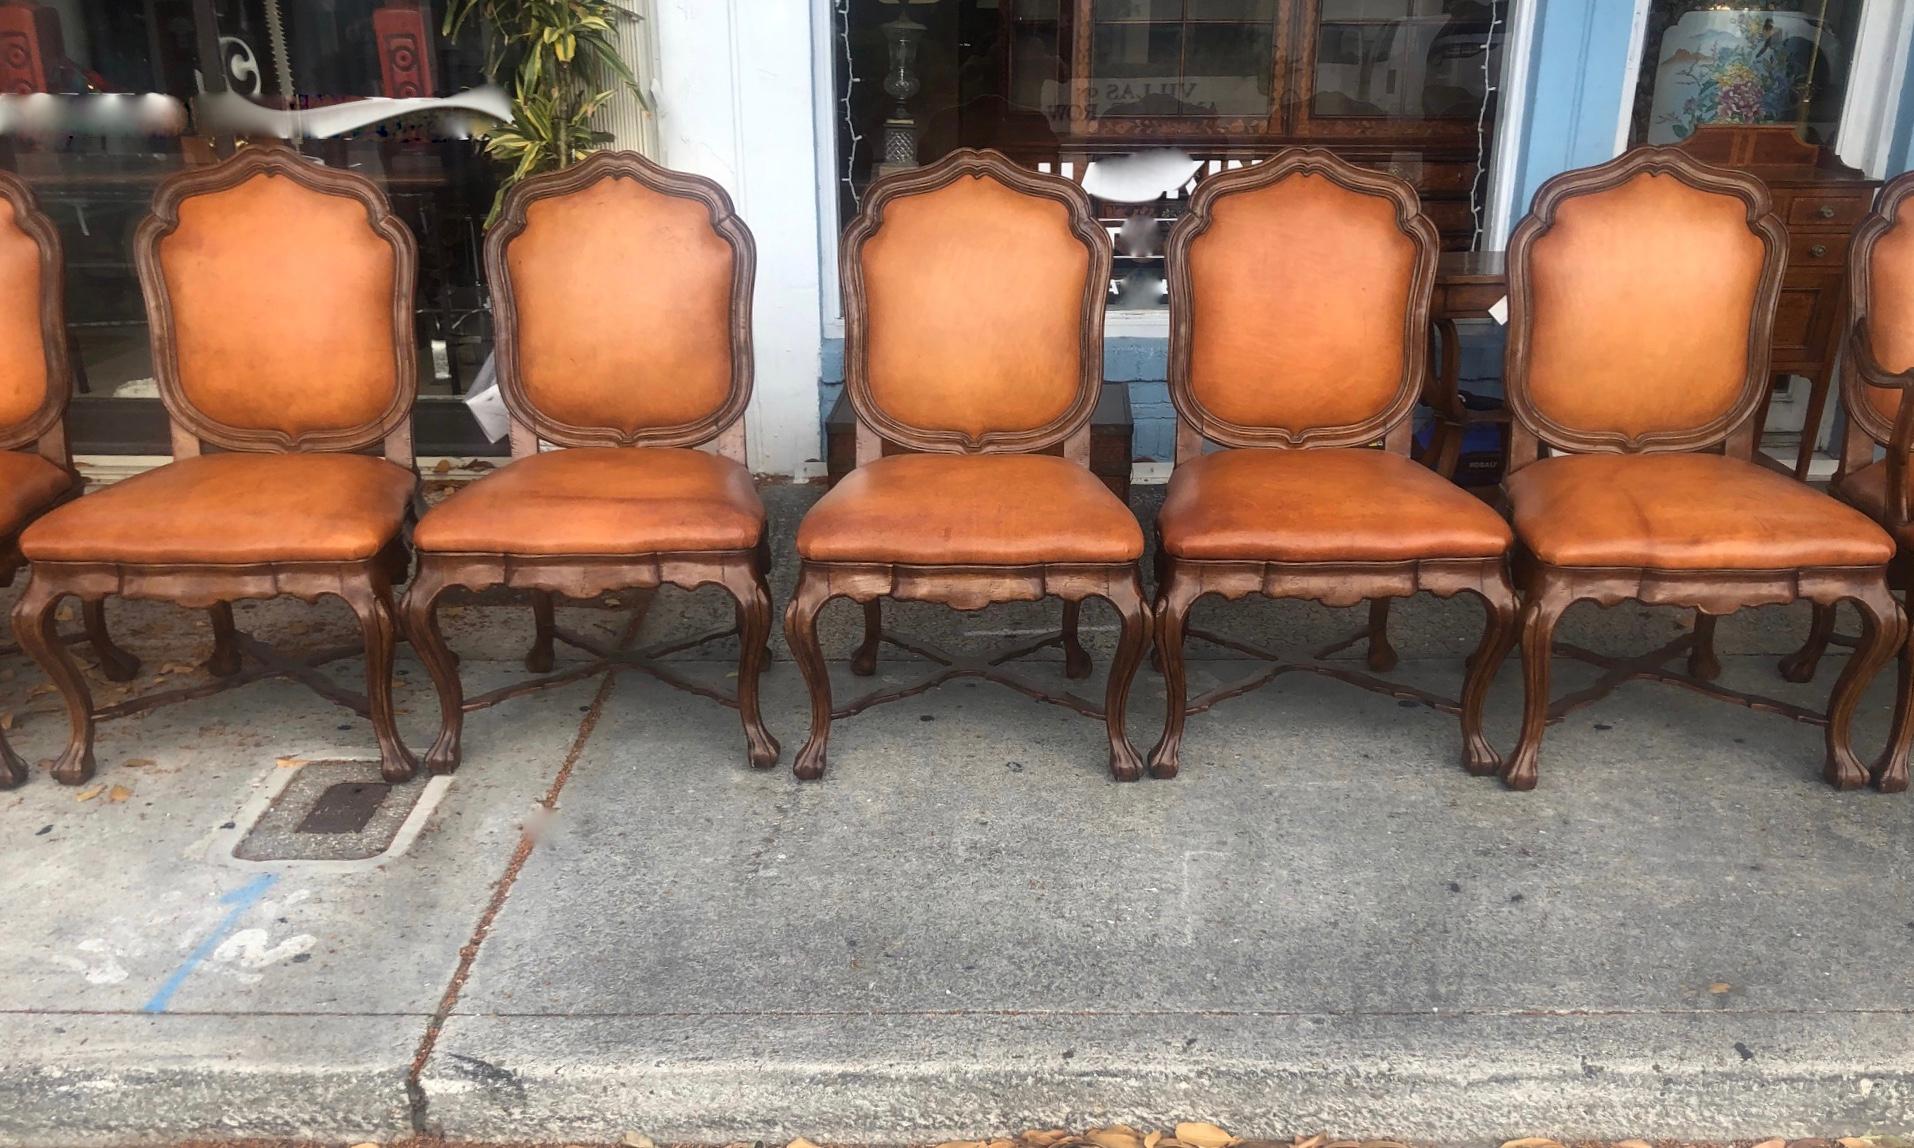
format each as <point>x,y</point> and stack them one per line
<point>1115,1136</point>
<point>1316,1141</point>
<point>1633,1144</point>
<point>1531,1142</point>
<point>89,793</point>
<point>6,719</point>
<point>138,763</point>
<point>118,794</point>
<point>1201,1135</point>
<point>289,762</point>
<point>634,1139</point>
<point>800,1142</point>
<point>962,1144</point>
<point>1152,1140</point>
<point>1045,1138</point>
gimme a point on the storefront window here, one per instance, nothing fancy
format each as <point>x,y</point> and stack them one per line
<point>1061,85</point>
<point>129,80</point>
<point>1704,62</point>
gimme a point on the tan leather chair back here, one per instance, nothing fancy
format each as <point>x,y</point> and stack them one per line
<point>1299,303</point>
<point>1641,301</point>
<point>1881,294</point>
<point>33,359</point>
<point>622,296</point>
<point>279,293</point>
<point>973,306</point>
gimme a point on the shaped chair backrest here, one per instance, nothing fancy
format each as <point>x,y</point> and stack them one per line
<point>1880,364</point>
<point>1641,300</point>
<point>973,307</point>
<point>33,367</point>
<point>1299,304</point>
<point>622,297</point>
<point>280,296</point>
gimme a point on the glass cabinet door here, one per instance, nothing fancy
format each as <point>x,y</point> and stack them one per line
<point>137,70</point>
<point>1419,69</point>
<point>1197,68</point>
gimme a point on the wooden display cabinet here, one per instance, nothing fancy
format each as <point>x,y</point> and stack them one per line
<point>1390,84</point>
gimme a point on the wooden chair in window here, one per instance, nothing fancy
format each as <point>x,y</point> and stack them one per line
<point>622,301</point>
<point>1299,327</point>
<point>973,340</point>
<point>1642,296</point>
<point>36,469</point>
<point>1875,378</point>
<point>279,296</point>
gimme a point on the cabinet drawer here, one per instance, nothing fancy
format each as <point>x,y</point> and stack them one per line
<point>1820,209</point>
<point>1816,249</point>
<point>1804,318</point>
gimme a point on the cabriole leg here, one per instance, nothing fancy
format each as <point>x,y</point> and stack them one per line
<point>800,633</point>
<point>1127,597</point>
<point>1883,629</point>
<point>428,641</point>
<point>36,629</point>
<point>1498,635</point>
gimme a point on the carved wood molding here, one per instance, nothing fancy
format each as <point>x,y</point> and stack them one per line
<point>724,220</point>
<point>1668,161</point>
<point>1415,342</point>
<point>277,161</point>
<point>1864,371</point>
<point>970,163</point>
<point>30,220</point>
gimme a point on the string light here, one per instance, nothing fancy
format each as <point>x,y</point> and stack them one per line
<point>843,17</point>
<point>1482,126</point>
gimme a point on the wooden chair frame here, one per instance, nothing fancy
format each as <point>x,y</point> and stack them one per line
<point>1181,582</point>
<point>365,586</point>
<point>959,586</point>
<point>1551,590</point>
<point>1862,373</point>
<point>742,573</point>
<point>44,432</point>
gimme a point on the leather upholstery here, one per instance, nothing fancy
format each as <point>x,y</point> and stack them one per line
<point>978,509</point>
<point>229,509</point>
<point>29,484</point>
<point>1322,505</point>
<point>600,500</point>
<point>1321,343</point>
<point>1867,489</point>
<point>282,307</point>
<point>1684,512</point>
<point>975,297</point>
<point>23,364</point>
<point>653,278</point>
<point>1642,299</point>
<point>1890,305</point>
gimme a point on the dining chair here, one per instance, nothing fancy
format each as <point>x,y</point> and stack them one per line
<point>621,298</point>
<point>1875,377</point>
<point>1299,332</point>
<point>973,345</point>
<point>36,466</point>
<point>1642,296</point>
<point>279,298</point>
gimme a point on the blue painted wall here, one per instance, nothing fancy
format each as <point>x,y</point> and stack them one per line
<point>1902,157</point>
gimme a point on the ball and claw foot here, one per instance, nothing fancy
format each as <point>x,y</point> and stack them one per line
<point>762,752</point>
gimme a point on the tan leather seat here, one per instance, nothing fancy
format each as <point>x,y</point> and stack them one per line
<point>958,510</point>
<point>601,500</point>
<point>1685,512</point>
<point>29,484</point>
<point>1322,505</point>
<point>231,509</point>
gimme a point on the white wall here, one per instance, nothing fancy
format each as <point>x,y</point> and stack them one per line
<point>735,99</point>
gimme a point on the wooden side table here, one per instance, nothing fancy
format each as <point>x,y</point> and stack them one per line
<point>1468,283</point>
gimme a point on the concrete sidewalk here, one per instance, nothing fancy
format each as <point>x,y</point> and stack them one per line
<point>966,927</point>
